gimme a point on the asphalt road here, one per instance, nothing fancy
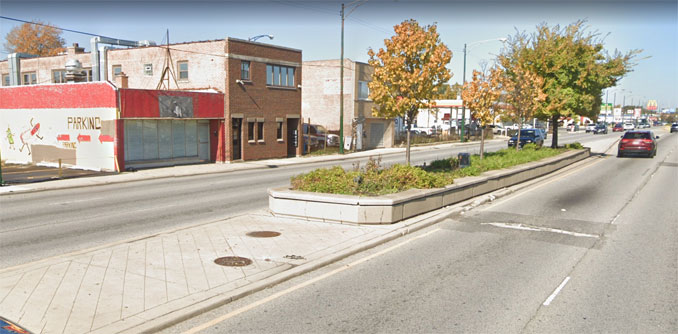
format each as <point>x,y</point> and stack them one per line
<point>594,249</point>
<point>48,223</point>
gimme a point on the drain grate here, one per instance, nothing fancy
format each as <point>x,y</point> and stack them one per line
<point>263,234</point>
<point>233,261</point>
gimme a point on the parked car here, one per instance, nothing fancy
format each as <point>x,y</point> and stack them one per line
<point>600,128</point>
<point>315,136</point>
<point>590,127</point>
<point>332,139</point>
<point>573,127</point>
<point>543,132</point>
<point>674,127</point>
<point>424,131</point>
<point>638,142</point>
<point>629,126</point>
<point>528,136</point>
<point>618,127</point>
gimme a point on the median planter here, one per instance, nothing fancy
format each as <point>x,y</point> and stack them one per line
<point>391,208</point>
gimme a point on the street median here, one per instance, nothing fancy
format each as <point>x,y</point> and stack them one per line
<point>391,208</point>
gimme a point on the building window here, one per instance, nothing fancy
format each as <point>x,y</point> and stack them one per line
<point>282,76</point>
<point>244,70</point>
<point>59,76</point>
<point>117,69</point>
<point>363,90</point>
<point>148,69</point>
<point>250,131</point>
<point>279,130</point>
<point>183,70</point>
<point>88,71</point>
<point>5,79</point>
<point>260,131</point>
<point>30,78</point>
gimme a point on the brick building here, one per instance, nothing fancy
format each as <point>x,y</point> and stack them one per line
<point>320,102</point>
<point>260,84</point>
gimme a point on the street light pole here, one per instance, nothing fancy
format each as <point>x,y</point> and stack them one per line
<point>463,105</point>
<point>341,86</point>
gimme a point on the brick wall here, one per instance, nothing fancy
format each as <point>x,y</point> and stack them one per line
<point>255,100</point>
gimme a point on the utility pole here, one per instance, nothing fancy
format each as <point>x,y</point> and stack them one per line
<point>607,107</point>
<point>341,86</point>
<point>463,105</point>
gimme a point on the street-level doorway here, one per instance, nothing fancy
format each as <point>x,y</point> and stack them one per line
<point>293,136</point>
<point>236,130</point>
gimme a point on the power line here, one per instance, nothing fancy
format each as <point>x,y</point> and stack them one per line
<point>52,26</point>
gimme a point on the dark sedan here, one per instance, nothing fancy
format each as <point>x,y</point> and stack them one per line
<point>528,136</point>
<point>600,128</point>
<point>638,142</point>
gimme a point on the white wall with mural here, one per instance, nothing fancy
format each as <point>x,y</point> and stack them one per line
<point>81,138</point>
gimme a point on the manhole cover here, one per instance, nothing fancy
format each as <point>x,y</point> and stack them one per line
<point>233,261</point>
<point>263,234</point>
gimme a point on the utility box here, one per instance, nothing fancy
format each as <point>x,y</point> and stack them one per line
<point>464,160</point>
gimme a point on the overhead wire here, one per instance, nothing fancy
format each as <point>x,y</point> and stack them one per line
<point>53,26</point>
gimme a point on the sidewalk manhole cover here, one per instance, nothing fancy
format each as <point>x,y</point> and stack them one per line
<point>233,261</point>
<point>263,234</point>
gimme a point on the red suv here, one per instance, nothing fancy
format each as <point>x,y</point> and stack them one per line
<point>618,127</point>
<point>638,142</point>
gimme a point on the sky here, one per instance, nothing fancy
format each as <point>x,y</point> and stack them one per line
<point>315,28</point>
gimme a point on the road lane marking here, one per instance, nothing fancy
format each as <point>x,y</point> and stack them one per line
<point>556,292</point>
<point>77,201</point>
<point>301,285</point>
<point>540,229</point>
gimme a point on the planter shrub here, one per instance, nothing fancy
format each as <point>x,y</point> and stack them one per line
<point>372,180</point>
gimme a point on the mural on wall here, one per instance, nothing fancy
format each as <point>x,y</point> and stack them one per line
<point>175,106</point>
<point>80,138</point>
<point>29,135</point>
<point>10,139</point>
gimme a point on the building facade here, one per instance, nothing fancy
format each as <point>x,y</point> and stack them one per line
<point>321,96</point>
<point>101,127</point>
<point>260,85</point>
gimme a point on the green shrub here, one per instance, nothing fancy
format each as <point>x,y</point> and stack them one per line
<point>574,146</point>
<point>372,179</point>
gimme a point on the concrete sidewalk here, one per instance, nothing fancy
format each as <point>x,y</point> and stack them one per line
<point>146,284</point>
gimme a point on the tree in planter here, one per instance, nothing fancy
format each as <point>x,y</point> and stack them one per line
<point>523,93</point>
<point>409,73</point>
<point>35,38</point>
<point>573,64</point>
<point>481,95</point>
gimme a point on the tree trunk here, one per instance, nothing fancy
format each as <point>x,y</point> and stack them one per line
<point>554,138</point>
<point>520,127</point>
<point>482,142</point>
<point>407,149</point>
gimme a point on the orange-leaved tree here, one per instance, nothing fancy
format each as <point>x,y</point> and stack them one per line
<point>408,73</point>
<point>37,39</point>
<point>481,95</point>
<point>523,92</point>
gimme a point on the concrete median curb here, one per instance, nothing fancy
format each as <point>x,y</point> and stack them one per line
<point>388,209</point>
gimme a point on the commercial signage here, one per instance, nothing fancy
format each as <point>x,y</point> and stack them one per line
<point>652,105</point>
